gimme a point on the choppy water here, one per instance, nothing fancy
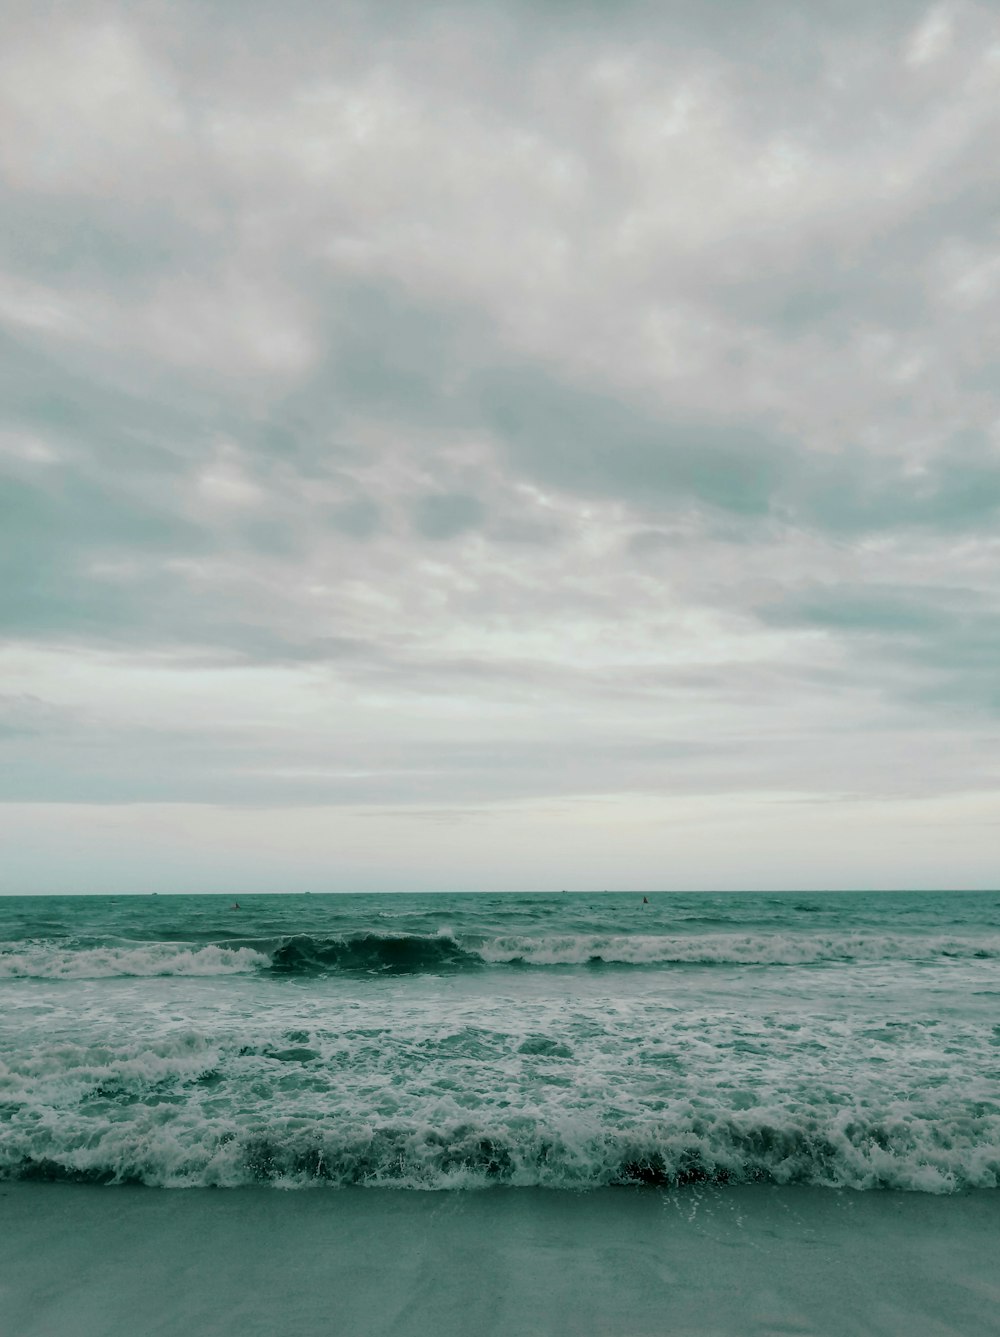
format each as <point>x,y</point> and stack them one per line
<point>841,1039</point>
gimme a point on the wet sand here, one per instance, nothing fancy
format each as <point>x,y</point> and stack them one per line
<point>118,1262</point>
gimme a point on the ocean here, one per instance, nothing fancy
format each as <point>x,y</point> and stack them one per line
<point>542,1042</point>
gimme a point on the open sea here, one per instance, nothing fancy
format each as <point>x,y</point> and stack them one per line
<point>845,1040</point>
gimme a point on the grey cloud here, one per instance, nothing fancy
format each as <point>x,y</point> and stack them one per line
<point>649,542</point>
<point>593,443</point>
<point>360,518</point>
<point>442,367</point>
<point>984,377</point>
<point>834,287</point>
<point>958,490</point>
<point>24,715</point>
<point>53,530</point>
<point>516,527</point>
<point>119,247</point>
<point>445,515</point>
<point>884,610</point>
<point>778,37</point>
<point>388,353</point>
<point>81,399</point>
<point>932,645</point>
<point>550,367</point>
<point>819,294</point>
<point>240,767</point>
<point>272,536</point>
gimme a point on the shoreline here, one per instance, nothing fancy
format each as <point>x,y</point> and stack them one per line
<point>86,1261</point>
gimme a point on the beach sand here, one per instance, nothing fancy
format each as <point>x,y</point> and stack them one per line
<point>102,1262</point>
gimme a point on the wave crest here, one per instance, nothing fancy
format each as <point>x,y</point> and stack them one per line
<point>55,963</point>
<point>838,1153</point>
<point>411,953</point>
<point>772,949</point>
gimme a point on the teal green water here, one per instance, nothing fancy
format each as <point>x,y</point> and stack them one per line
<point>842,1039</point>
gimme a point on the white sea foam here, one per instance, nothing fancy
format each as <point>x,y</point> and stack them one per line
<point>732,948</point>
<point>167,1147</point>
<point>435,1092</point>
<point>48,961</point>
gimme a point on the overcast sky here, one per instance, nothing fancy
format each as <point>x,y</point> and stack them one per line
<point>499,445</point>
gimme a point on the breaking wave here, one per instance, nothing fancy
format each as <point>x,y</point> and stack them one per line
<point>45,961</point>
<point>411,953</point>
<point>396,953</point>
<point>771,949</point>
<point>719,1148</point>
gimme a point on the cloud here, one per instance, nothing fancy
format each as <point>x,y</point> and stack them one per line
<point>957,490</point>
<point>580,441</point>
<point>934,645</point>
<point>445,515</point>
<point>498,403</point>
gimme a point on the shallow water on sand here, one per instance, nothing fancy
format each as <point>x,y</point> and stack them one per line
<point>699,1261</point>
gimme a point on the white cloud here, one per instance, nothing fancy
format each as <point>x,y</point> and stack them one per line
<point>84,107</point>
<point>932,38</point>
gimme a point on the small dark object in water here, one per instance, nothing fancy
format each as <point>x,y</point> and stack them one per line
<point>645,900</point>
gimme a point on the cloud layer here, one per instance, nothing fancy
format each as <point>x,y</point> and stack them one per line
<point>414,413</point>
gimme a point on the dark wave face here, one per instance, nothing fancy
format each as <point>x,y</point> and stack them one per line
<point>395,954</point>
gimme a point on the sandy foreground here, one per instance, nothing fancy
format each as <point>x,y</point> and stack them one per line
<point>99,1262</point>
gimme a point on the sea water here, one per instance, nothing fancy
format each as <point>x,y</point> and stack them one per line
<point>461,1041</point>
